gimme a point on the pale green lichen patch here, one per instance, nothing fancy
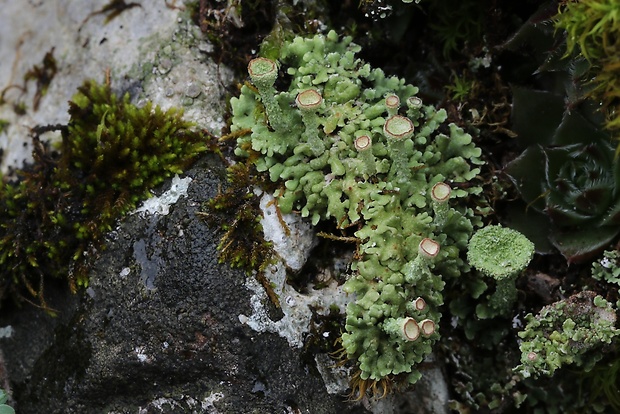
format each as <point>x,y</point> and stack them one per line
<point>499,252</point>
<point>335,163</point>
<point>607,268</point>
<point>564,333</point>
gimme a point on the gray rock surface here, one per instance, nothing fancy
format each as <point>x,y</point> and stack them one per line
<point>157,330</point>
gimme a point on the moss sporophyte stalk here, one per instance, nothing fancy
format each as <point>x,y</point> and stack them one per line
<point>348,145</point>
<point>110,155</point>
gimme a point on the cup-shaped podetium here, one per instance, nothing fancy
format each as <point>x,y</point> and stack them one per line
<point>427,327</point>
<point>440,194</point>
<point>392,104</point>
<point>397,129</point>
<point>263,72</point>
<point>419,304</point>
<point>501,254</point>
<point>363,145</point>
<point>406,329</point>
<point>428,249</point>
<point>414,104</point>
<point>419,267</point>
<point>309,102</point>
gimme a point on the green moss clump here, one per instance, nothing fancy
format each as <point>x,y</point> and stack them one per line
<point>237,213</point>
<point>111,154</point>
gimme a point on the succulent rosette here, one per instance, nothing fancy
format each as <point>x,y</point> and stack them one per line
<point>570,175</point>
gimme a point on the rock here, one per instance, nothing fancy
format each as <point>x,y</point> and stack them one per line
<point>158,330</point>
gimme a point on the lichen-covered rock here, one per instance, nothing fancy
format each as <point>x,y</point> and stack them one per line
<point>564,333</point>
<point>346,151</point>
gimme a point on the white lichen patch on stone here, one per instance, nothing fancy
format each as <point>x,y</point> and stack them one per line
<point>190,82</point>
<point>294,305</point>
<point>6,331</point>
<point>155,53</point>
<point>161,205</point>
<point>294,248</point>
<point>207,402</point>
<point>183,403</point>
<point>140,352</point>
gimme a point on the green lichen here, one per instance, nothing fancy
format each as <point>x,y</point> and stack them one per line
<point>607,268</point>
<point>501,254</point>
<point>565,333</point>
<point>110,155</point>
<point>369,169</point>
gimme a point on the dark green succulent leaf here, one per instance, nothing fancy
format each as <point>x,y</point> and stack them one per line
<point>535,32</point>
<point>563,215</point>
<point>578,245</point>
<point>533,224</point>
<point>612,215</point>
<point>527,173</point>
<point>575,128</point>
<point>536,115</point>
<point>567,149</point>
<point>580,182</point>
<point>594,201</point>
<point>578,66</point>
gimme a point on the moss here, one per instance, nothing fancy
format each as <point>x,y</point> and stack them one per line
<point>458,24</point>
<point>110,155</point>
<point>4,124</point>
<point>237,213</point>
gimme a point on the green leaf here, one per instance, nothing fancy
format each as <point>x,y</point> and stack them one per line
<point>578,245</point>
<point>5,409</point>
<point>536,115</point>
<point>526,172</point>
